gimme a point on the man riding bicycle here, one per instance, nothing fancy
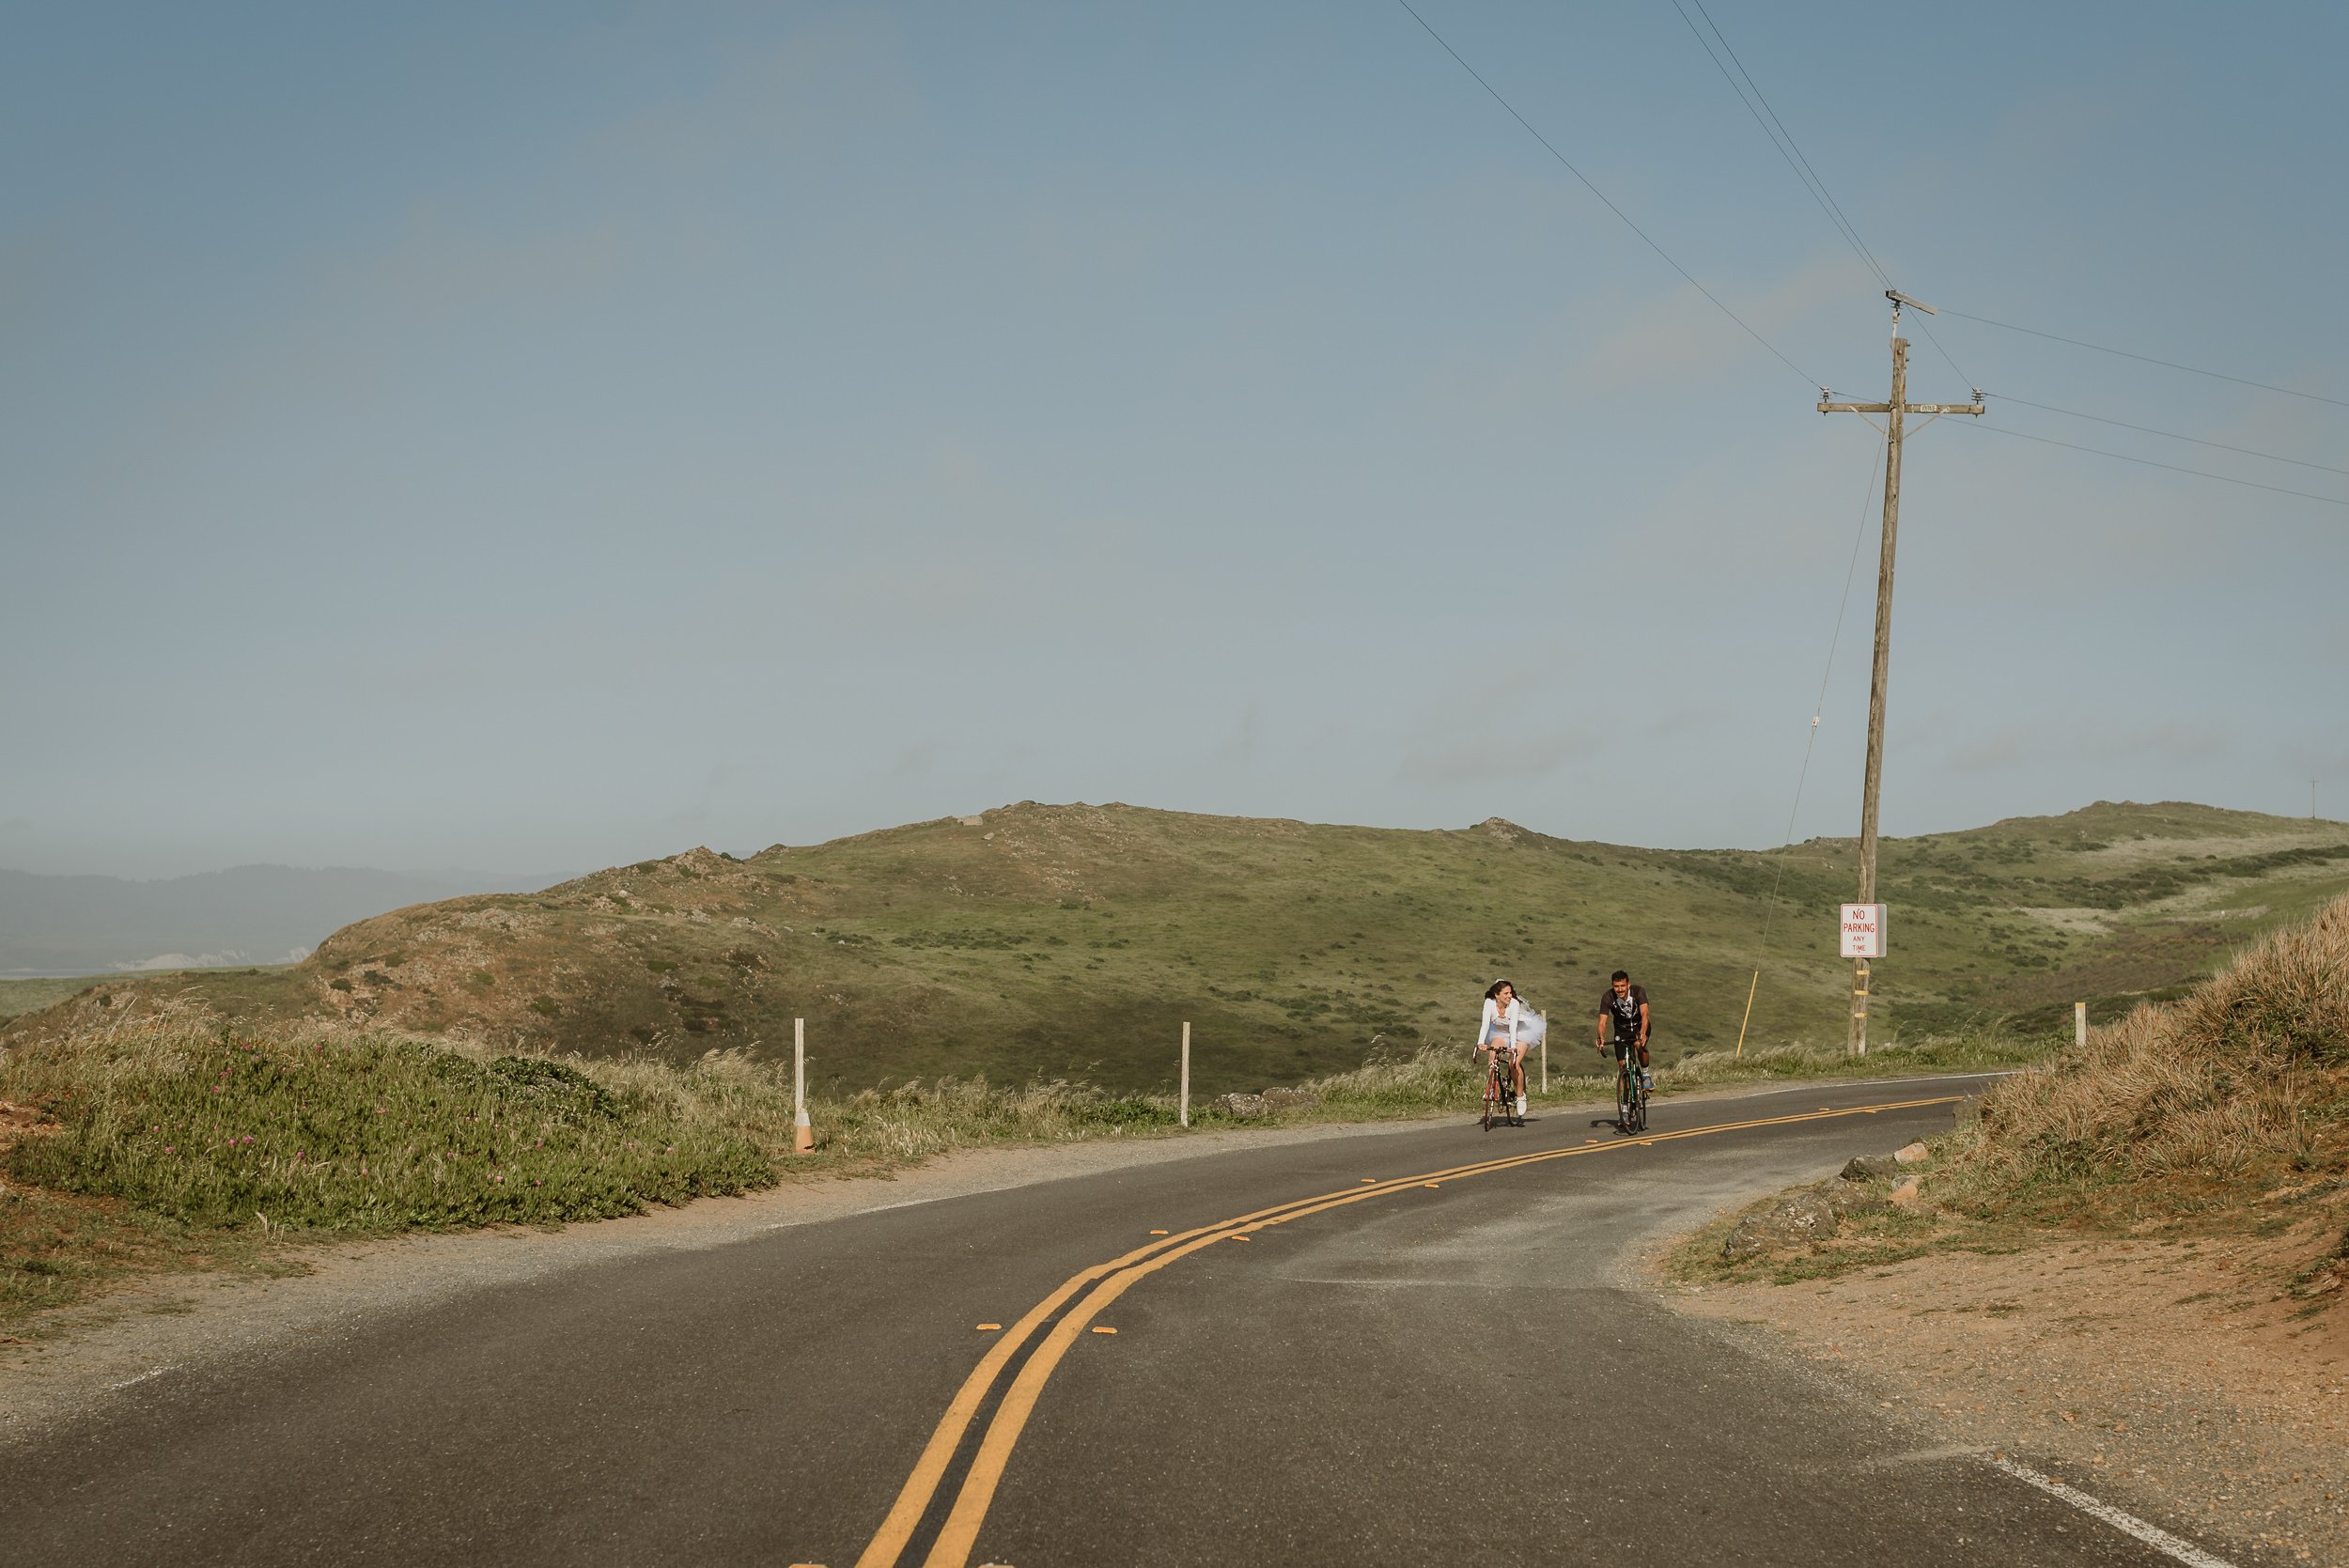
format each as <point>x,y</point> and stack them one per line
<point>1623,1023</point>
<point>1504,1030</point>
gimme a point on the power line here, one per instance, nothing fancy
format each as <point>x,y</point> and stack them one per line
<point>1835,639</point>
<point>1792,152</point>
<point>1563,162</point>
<point>2172,435</point>
<point>1750,94</point>
<point>2173,467</point>
<point>2148,359</point>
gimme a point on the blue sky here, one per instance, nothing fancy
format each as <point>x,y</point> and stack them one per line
<point>540,437</point>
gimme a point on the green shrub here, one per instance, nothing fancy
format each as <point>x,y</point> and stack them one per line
<point>356,1133</point>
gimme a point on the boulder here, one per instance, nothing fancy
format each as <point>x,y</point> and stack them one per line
<point>1279,1098</point>
<point>1912,1153</point>
<point>1905,1194</point>
<point>1865,1168</point>
<point>1242,1106</point>
<point>1968,1110</point>
<point>1796,1219</point>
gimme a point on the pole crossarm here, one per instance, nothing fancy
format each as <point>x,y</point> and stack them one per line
<point>1905,407</point>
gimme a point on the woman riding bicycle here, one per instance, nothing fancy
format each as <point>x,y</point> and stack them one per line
<point>1507,1029</point>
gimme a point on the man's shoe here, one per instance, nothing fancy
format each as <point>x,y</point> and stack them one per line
<point>1520,1105</point>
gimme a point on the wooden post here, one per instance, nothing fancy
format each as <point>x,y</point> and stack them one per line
<point>1880,672</point>
<point>1545,1017</point>
<point>802,1135</point>
<point>2079,1024</point>
<point>1752,985</point>
<point>1184,1101</point>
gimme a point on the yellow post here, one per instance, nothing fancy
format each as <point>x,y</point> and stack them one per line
<point>1748,1017</point>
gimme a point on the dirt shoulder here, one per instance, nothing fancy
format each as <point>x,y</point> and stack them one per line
<point>2179,1379</point>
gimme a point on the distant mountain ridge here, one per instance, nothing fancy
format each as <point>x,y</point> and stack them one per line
<point>247,914</point>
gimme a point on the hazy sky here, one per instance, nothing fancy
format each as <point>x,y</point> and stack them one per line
<point>541,437</point>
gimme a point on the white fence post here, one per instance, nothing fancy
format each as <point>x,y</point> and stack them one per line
<point>802,1135</point>
<point>2079,1024</point>
<point>1184,1104</point>
<point>1545,1017</point>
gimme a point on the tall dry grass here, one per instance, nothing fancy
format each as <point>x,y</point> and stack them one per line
<point>2236,1089</point>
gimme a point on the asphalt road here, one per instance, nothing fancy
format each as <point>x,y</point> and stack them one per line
<point>1391,1372</point>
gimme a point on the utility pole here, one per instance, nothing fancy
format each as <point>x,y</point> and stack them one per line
<point>1895,412</point>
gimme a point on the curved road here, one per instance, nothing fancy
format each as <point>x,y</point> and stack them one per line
<point>1403,1348</point>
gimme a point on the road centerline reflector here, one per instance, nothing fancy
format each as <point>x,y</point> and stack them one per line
<point>1098,1330</point>
<point>1157,1233</point>
<point>988,1328</point>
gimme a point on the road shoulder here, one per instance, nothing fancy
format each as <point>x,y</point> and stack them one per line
<point>2176,1378</point>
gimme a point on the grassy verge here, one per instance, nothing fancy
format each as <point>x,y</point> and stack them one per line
<point>2225,1110</point>
<point>165,1142</point>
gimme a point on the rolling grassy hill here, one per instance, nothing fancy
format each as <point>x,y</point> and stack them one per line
<point>1073,941</point>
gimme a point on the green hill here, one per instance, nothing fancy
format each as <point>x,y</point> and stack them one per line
<point>1075,940</point>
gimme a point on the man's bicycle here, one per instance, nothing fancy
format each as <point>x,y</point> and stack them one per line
<point>1500,1101</point>
<point>1630,1092</point>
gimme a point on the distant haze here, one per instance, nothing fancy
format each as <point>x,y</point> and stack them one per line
<point>249,914</point>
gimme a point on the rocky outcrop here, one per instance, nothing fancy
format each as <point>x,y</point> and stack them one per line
<point>1804,1215</point>
<point>1248,1107</point>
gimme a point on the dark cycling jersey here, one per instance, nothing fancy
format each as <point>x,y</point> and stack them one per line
<point>1624,1011</point>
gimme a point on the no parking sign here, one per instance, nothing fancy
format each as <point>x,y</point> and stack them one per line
<point>1863,931</point>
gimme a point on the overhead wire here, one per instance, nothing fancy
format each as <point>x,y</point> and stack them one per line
<point>2148,359</point>
<point>2173,467</point>
<point>1750,94</point>
<point>2171,435</point>
<point>1567,165</point>
<point>1791,150</point>
<point>1818,708</point>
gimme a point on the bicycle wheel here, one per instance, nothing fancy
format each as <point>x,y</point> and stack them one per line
<point>1624,1106</point>
<point>1639,1105</point>
<point>1487,1124</point>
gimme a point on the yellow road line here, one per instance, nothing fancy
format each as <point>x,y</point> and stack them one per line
<point>955,1542</point>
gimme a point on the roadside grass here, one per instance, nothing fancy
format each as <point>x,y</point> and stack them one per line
<point>165,1141</point>
<point>2208,1105</point>
<point>59,1250</point>
<point>2225,1111</point>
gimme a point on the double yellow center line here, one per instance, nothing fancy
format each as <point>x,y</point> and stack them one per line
<point>1109,1280</point>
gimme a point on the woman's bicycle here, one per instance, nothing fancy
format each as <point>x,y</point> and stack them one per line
<point>1630,1092</point>
<point>1500,1101</point>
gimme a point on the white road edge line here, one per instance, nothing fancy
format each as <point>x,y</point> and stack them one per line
<point>2128,1524</point>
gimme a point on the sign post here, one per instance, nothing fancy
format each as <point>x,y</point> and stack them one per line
<point>1862,939</point>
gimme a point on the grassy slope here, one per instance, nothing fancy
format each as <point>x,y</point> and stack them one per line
<point>1073,941</point>
<point>2225,1110</point>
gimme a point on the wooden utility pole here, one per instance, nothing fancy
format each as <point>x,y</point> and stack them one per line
<point>1895,412</point>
